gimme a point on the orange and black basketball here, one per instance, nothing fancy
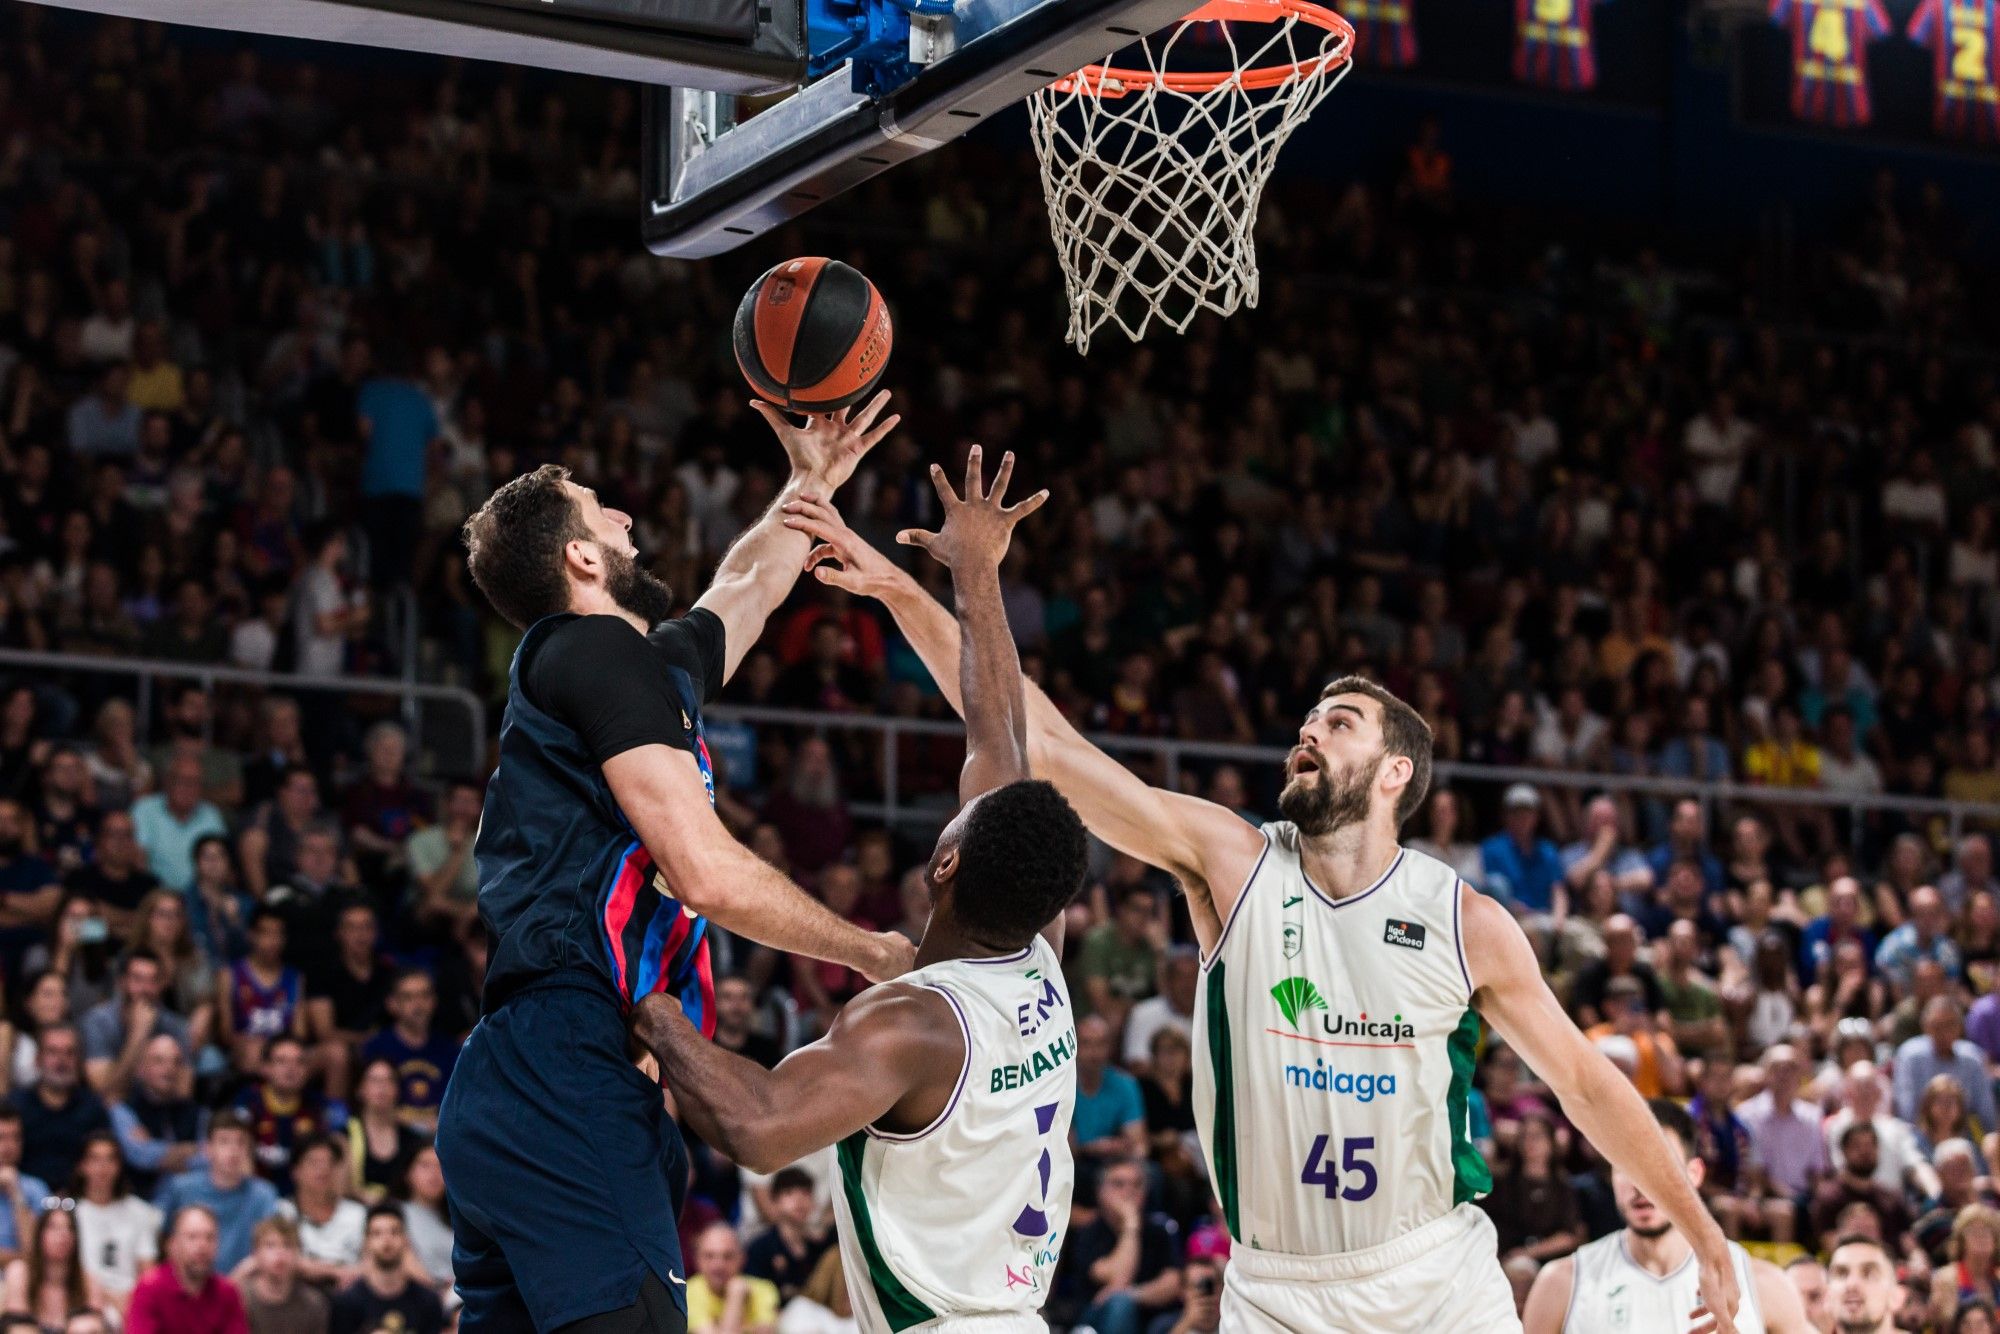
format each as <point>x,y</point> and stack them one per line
<point>813,335</point>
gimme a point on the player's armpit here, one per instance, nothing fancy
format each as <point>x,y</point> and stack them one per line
<point>894,1049</point>
<point>1548,1299</point>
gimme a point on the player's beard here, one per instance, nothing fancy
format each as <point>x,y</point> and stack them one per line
<point>1325,803</point>
<point>1653,1233</point>
<point>635,590</point>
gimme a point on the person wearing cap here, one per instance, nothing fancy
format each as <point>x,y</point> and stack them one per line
<point>1523,869</point>
<point>226,1188</point>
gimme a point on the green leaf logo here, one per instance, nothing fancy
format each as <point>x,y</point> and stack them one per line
<point>1295,996</point>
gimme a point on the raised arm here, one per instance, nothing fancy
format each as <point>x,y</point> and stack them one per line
<point>660,789</point>
<point>1207,847</point>
<point>1511,993</point>
<point>757,574</point>
<point>894,1048</point>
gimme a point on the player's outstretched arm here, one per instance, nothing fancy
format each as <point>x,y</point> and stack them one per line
<point>660,789</point>
<point>1548,1299</point>
<point>894,1046</point>
<point>757,574</point>
<point>1207,847</point>
<point>1508,989</point>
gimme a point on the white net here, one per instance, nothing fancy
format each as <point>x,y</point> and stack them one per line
<point>1152,182</point>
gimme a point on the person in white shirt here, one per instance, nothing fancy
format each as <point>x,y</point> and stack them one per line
<point>332,1228</point>
<point>1899,1165</point>
<point>119,1233</point>
<point>1718,440</point>
<point>1173,1007</point>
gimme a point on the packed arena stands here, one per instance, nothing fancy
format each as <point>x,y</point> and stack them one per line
<point>270,329</point>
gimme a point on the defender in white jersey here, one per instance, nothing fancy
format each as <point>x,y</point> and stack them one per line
<point>1349,1202</point>
<point>949,1091</point>
<point>1641,1279</point>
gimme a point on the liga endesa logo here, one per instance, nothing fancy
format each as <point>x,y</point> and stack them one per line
<point>1312,1020</point>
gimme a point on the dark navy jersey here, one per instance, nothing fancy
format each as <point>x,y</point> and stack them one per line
<point>564,883</point>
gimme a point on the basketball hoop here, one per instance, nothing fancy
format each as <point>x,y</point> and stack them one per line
<point>1153,171</point>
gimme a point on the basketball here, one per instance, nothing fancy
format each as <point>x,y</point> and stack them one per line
<point>813,335</point>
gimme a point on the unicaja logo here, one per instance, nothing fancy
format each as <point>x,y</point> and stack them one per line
<point>1295,996</point>
<point>1392,1029</point>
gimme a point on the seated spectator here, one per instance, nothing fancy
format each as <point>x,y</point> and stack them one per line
<point>23,1195</point>
<point>187,1295</point>
<point>1927,935</point>
<point>60,1112</point>
<point>823,1305</point>
<point>380,1142</point>
<point>28,889</point>
<point>789,1250</point>
<point>1532,1204</point>
<point>1443,839</point>
<point>1841,922</point>
<point>284,1114</point>
<point>1169,1097</point>
<point>159,1128</point>
<point>49,1281</point>
<point>808,810</point>
<point>170,822</point>
<point>423,1058</point>
<point>1971,872</point>
<point>1973,1272</point>
<point>280,749</point>
<point>821,987</point>
<point>1687,838</point>
<point>383,808</point>
<point>443,873</point>
<point>117,769</point>
<point>217,908</point>
<point>272,837</point>
<point>275,1298</point>
<point>1118,960</point>
<point>1846,994</point>
<point>187,978</point>
<point>332,1228</point>
<point>1126,1263</point>
<point>311,900</point>
<point>65,818</point>
<point>234,1200</point>
<point>1785,1139</point>
<point>114,877</point>
<point>119,1233</point>
<point>259,996</point>
<point>1855,1183</point>
<point>1603,848</point>
<point>385,1296</point>
<point>735,1017</point>
<point>1900,1164</point>
<point>1172,1007</point>
<point>1942,1050</point>
<point>1522,868</point>
<point>1657,1071</point>
<point>1621,960</point>
<point>1906,1019</point>
<point>428,1220</point>
<point>1942,1117</point>
<point>720,1297</point>
<point>117,1031</point>
<point>346,1000</point>
<point>82,954</point>
<point>1694,1006</point>
<point>1110,1117</point>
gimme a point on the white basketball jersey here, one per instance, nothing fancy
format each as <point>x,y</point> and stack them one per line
<point>1609,1294</point>
<point>967,1215</point>
<point>1334,1048</point>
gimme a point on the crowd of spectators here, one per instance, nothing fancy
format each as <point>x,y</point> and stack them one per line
<point>271,326</point>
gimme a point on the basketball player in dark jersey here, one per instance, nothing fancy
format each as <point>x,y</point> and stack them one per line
<point>600,860</point>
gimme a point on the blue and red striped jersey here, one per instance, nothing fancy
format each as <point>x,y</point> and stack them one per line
<point>1960,36</point>
<point>1554,43</point>
<point>1830,56</point>
<point>1385,32</point>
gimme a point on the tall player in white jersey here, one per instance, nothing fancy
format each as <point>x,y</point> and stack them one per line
<point>1641,1278</point>
<point>1336,1011</point>
<point>949,1090</point>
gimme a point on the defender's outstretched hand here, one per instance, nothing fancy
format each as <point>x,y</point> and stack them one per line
<point>978,528</point>
<point>826,449</point>
<point>840,556</point>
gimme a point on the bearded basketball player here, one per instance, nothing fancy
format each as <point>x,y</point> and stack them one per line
<point>1343,982</point>
<point>1641,1278</point>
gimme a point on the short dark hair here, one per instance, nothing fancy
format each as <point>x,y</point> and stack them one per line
<point>514,545</point>
<point>277,1040</point>
<point>265,912</point>
<point>333,1144</point>
<point>231,1119</point>
<point>1021,859</point>
<point>386,1209</point>
<point>1857,1127</point>
<point>138,955</point>
<point>1674,1119</point>
<point>1404,732</point>
<point>1862,1239</point>
<point>788,1179</point>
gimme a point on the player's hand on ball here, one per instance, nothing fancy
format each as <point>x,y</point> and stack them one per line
<point>826,449</point>
<point>840,557</point>
<point>977,528</point>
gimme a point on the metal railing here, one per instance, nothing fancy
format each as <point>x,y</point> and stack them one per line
<point>1174,756</point>
<point>146,672</point>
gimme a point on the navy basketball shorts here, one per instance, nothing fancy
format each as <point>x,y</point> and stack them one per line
<point>564,1174</point>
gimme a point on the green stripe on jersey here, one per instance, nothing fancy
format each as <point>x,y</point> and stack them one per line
<point>899,1304</point>
<point>1222,1135</point>
<point>1471,1177</point>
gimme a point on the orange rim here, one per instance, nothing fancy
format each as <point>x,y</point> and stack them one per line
<point>1113,81</point>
